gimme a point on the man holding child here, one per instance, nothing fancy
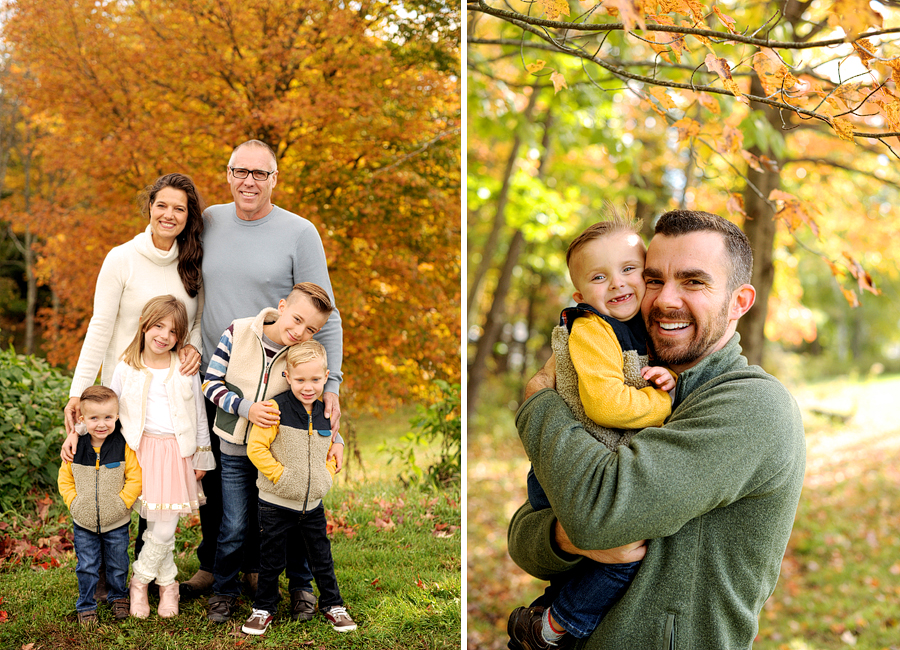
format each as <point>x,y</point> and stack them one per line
<point>713,492</point>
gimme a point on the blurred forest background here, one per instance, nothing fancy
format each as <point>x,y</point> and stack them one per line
<point>360,101</point>
<point>783,117</point>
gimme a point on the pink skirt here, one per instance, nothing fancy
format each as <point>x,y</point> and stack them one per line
<point>169,488</point>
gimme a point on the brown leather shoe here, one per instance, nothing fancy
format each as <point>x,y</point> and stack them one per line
<point>303,606</point>
<point>121,609</point>
<point>88,620</point>
<point>524,628</point>
<point>197,585</point>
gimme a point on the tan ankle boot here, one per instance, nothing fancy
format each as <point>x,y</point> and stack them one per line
<point>168,600</point>
<point>140,604</point>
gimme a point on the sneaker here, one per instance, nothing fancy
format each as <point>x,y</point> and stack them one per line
<point>220,608</point>
<point>524,628</point>
<point>121,609</point>
<point>258,622</point>
<point>88,620</point>
<point>303,606</point>
<point>339,618</point>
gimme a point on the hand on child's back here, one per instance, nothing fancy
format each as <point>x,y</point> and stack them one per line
<point>265,414</point>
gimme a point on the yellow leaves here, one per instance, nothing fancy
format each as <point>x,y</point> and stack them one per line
<point>892,114</point>
<point>662,97</point>
<point>537,66</point>
<point>630,12</point>
<point>862,277</point>
<point>687,128</point>
<point>735,205</point>
<point>725,20</point>
<point>559,82</point>
<point>772,72</point>
<point>854,16</point>
<point>843,128</point>
<point>732,140</point>
<point>864,50</point>
<point>554,9</point>
<point>794,212</point>
<point>709,102</point>
<point>721,68</point>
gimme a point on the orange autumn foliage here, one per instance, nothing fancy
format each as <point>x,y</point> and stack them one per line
<point>363,114</point>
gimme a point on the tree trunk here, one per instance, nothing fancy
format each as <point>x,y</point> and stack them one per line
<point>490,247</point>
<point>493,323</point>
<point>760,230</point>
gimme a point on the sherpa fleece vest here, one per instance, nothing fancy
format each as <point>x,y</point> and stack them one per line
<point>98,506</point>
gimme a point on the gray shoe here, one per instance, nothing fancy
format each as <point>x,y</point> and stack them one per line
<point>303,605</point>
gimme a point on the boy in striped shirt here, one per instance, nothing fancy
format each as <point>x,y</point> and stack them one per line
<point>245,371</point>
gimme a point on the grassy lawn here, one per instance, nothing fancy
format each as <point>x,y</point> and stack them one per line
<point>396,552</point>
<point>840,580</point>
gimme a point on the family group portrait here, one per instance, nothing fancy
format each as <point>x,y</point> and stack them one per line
<point>229,310</point>
<point>320,330</point>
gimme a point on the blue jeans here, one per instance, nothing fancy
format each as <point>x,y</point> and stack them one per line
<point>91,548</point>
<point>290,539</point>
<point>582,596</point>
<point>237,545</point>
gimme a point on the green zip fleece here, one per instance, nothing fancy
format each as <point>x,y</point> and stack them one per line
<point>714,491</point>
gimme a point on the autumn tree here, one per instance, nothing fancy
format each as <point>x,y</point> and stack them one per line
<point>360,102</point>
<point>754,106</point>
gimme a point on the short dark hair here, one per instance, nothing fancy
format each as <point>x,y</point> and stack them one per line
<point>616,220</point>
<point>99,395</point>
<point>737,246</point>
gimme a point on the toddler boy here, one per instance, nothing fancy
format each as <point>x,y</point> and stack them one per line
<point>99,487</point>
<point>607,346</point>
<point>293,478</point>
<point>247,369</point>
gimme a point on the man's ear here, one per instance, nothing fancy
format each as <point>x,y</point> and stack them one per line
<point>741,301</point>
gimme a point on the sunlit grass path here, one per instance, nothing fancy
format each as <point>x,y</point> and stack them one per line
<point>840,582</point>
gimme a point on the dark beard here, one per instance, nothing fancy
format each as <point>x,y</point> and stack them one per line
<point>672,354</point>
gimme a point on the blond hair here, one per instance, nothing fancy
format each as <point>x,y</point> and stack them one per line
<point>616,220</point>
<point>316,294</point>
<point>306,351</point>
<point>154,311</point>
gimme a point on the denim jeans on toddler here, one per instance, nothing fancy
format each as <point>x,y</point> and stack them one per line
<point>287,539</point>
<point>91,548</point>
<point>582,596</point>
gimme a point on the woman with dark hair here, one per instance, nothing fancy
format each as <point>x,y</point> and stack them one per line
<point>164,259</point>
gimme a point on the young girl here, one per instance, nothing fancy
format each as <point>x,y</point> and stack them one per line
<point>164,422</point>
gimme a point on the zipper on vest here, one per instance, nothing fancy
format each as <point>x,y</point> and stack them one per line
<point>308,462</point>
<point>97,489</point>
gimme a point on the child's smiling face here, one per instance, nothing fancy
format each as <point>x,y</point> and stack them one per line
<point>160,337</point>
<point>99,419</point>
<point>608,274</point>
<point>307,381</point>
<point>298,319</point>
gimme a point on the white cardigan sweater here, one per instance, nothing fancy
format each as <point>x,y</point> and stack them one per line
<point>185,405</point>
<point>131,274</point>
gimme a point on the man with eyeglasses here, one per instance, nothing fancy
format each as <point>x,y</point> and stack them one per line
<point>253,254</point>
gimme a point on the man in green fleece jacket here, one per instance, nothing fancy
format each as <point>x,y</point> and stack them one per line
<point>714,491</point>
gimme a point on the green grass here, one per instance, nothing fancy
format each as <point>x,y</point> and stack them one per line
<point>397,558</point>
<point>840,579</point>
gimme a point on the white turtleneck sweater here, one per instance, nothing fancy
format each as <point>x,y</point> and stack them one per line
<point>131,274</point>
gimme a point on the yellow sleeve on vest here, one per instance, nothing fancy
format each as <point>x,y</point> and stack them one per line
<point>259,454</point>
<point>66,483</point>
<point>133,477</point>
<point>608,401</point>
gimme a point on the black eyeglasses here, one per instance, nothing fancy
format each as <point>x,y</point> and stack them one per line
<point>258,174</point>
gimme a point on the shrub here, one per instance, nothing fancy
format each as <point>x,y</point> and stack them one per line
<point>440,425</point>
<point>32,396</point>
